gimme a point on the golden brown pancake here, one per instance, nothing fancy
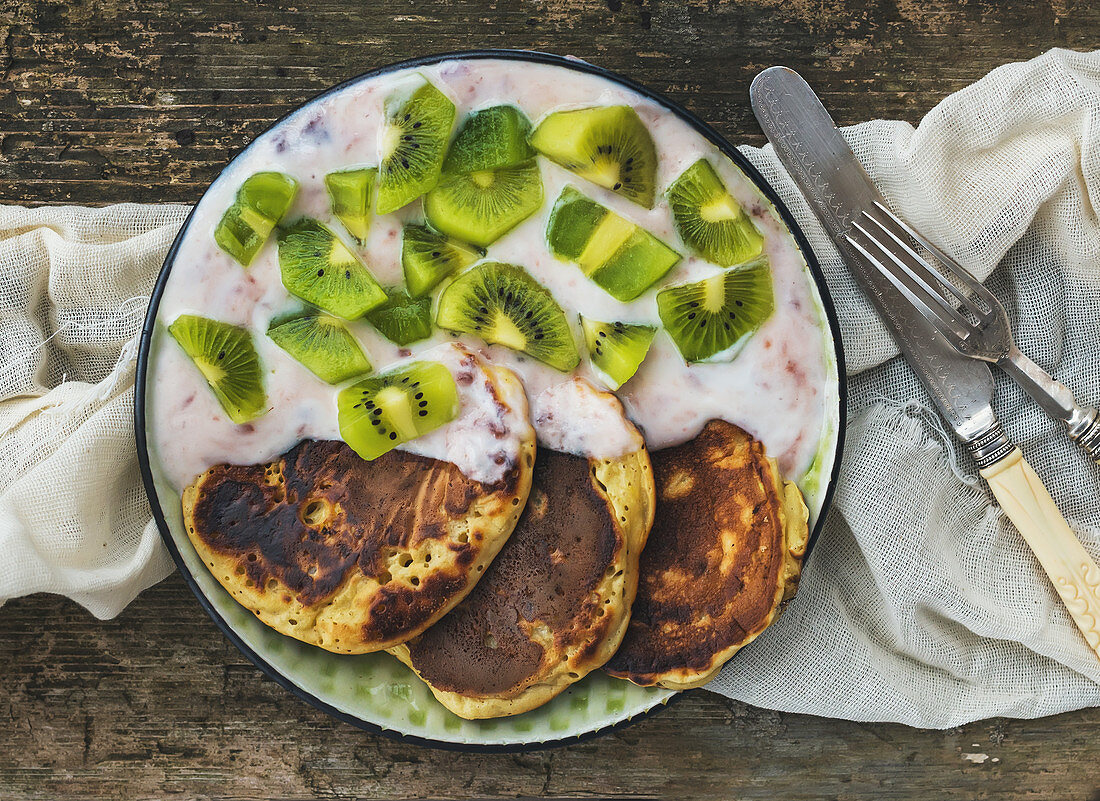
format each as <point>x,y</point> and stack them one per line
<point>554,604</point>
<point>724,553</point>
<point>350,555</point>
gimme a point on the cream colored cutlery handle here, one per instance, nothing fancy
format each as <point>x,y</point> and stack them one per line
<point>1028,504</point>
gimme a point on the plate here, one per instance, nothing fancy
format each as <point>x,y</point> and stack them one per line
<point>375,691</point>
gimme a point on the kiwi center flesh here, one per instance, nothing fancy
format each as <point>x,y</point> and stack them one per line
<point>719,209</point>
<point>507,333</point>
<point>391,140</point>
<point>211,371</point>
<point>610,235</point>
<point>483,178</point>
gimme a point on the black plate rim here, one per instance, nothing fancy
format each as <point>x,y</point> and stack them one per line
<point>537,57</point>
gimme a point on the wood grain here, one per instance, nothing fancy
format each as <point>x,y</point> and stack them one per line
<point>103,101</point>
<point>157,703</point>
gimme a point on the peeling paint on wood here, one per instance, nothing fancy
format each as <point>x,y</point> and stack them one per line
<point>103,101</point>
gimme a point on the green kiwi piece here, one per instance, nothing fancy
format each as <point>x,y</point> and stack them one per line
<point>428,257</point>
<point>402,319</point>
<point>617,349</point>
<point>490,139</point>
<point>621,257</point>
<point>708,218</point>
<point>349,193</point>
<point>712,319</point>
<point>261,202</point>
<point>607,145</point>
<point>322,343</point>
<point>320,269</point>
<point>413,144</point>
<point>380,412</point>
<point>227,359</point>
<point>480,207</point>
<point>504,305</point>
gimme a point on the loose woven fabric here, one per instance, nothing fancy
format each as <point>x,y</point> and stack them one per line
<point>74,286</point>
<point>920,604</point>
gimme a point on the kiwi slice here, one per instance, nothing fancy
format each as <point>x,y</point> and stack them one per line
<point>379,413</point>
<point>490,139</point>
<point>607,145</point>
<point>708,218</point>
<point>319,268</point>
<point>428,257</point>
<point>504,305</point>
<point>228,361</point>
<point>712,319</point>
<point>618,255</point>
<point>403,319</point>
<point>349,193</point>
<point>480,207</point>
<point>616,349</point>
<point>322,343</point>
<point>261,202</point>
<point>413,143</point>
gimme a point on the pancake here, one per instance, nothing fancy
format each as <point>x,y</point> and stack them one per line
<point>725,551</point>
<point>356,556</point>
<point>555,603</point>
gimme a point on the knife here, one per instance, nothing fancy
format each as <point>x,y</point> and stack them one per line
<point>838,189</point>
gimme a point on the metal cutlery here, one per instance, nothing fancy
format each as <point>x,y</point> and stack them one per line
<point>842,195</point>
<point>968,315</point>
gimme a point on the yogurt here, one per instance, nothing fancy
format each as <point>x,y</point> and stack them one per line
<point>575,417</point>
<point>777,388</point>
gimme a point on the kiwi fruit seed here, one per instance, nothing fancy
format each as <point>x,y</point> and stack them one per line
<point>349,193</point>
<point>320,269</point>
<point>322,343</point>
<point>427,257</point>
<point>708,218</point>
<point>616,349</point>
<point>413,143</point>
<point>621,257</point>
<point>481,206</point>
<point>712,319</point>
<point>402,319</point>
<point>504,305</point>
<point>380,412</point>
<point>261,202</point>
<point>227,359</point>
<point>607,145</point>
<point>490,139</point>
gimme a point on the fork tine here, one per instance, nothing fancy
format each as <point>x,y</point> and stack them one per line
<point>932,303</point>
<point>955,272</point>
<point>943,324</point>
<point>925,273</point>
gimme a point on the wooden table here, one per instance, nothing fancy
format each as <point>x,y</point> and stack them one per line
<point>122,100</point>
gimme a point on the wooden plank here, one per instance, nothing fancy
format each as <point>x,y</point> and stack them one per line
<point>157,702</point>
<point>103,101</point>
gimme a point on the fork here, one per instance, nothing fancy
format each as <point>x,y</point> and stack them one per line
<point>970,318</point>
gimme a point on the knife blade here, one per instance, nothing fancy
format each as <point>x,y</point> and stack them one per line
<point>838,189</point>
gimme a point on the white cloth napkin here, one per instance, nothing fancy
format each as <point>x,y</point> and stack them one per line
<point>921,604</point>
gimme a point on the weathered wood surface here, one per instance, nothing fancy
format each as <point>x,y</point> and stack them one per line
<point>145,100</point>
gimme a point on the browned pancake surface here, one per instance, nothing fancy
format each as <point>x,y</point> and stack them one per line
<point>715,566</point>
<point>302,526</point>
<point>538,599</point>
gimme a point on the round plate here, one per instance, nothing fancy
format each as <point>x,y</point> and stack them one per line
<point>375,691</point>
